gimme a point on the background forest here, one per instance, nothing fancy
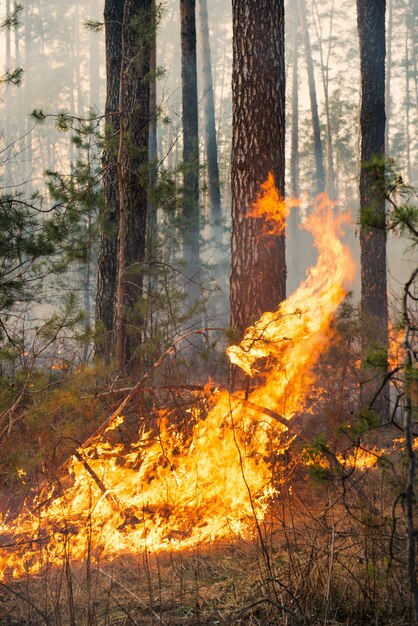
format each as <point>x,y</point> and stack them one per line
<point>128,274</point>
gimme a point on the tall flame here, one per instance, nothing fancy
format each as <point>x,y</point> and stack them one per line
<point>173,489</point>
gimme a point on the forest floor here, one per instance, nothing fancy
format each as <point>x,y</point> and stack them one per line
<point>321,557</point>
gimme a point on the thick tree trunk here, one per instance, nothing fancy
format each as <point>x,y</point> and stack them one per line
<point>133,167</point>
<point>190,222</point>
<point>209,115</point>
<point>316,129</point>
<point>258,269</point>
<point>109,219</point>
<point>374,303</point>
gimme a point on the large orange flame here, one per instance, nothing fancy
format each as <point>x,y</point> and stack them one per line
<point>172,490</point>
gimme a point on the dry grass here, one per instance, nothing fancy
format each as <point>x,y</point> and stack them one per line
<point>326,555</point>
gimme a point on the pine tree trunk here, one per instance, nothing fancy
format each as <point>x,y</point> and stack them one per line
<point>258,268</point>
<point>133,166</point>
<point>8,112</point>
<point>330,174</point>
<point>75,50</point>
<point>153,149</point>
<point>20,130</point>
<point>407,99</point>
<point>28,161</point>
<point>190,222</point>
<point>374,303</point>
<point>7,33</point>
<point>316,129</point>
<point>109,219</point>
<point>209,115</point>
<point>388,102</point>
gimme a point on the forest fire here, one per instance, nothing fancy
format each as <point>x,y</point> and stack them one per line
<point>173,490</point>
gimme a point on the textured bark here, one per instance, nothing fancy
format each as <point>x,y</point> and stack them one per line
<point>209,114</point>
<point>316,129</point>
<point>374,302</point>
<point>152,149</point>
<point>371,27</point>
<point>190,221</point>
<point>108,244</point>
<point>258,269</point>
<point>134,162</point>
<point>388,101</point>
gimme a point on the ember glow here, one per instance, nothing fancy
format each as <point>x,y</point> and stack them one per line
<point>172,490</point>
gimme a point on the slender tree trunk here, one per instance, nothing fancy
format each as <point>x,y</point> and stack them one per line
<point>153,147</point>
<point>7,33</point>
<point>8,112</point>
<point>27,97</point>
<point>20,129</point>
<point>388,100</point>
<point>258,268</point>
<point>330,175</point>
<point>374,303</point>
<point>190,225</point>
<point>209,115</point>
<point>77,60</point>
<point>86,289</point>
<point>316,129</point>
<point>94,45</point>
<point>407,99</point>
<point>109,219</point>
<point>413,23</point>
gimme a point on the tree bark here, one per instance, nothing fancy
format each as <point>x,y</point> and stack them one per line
<point>316,129</point>
<point>209,115</point>
<point>133,168</point>
<point>109,219</point>
<point>153,146</point>
<point>258,268</point>
<point>388,102</point>
<point>190,218</point>
<point>374,302</point>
